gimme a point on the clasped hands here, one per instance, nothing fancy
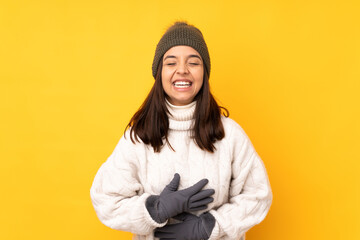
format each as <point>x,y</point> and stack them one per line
<point>172,203</point>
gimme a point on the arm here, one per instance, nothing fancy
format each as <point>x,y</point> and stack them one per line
<point>117,194</point>
<point>250,194</point>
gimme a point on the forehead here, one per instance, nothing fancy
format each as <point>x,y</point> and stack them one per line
<point>181,50</point>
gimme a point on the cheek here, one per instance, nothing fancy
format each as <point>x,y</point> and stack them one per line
<point>164,79</point>
<point>200,82</point>
<point>165,84</point>
<point>199,79</point>
<point>166,76</point>
<point>199,75</point>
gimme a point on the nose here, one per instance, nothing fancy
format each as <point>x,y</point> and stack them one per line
<point>182,68</point>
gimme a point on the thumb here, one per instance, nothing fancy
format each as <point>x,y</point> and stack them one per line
<point>173,185</point>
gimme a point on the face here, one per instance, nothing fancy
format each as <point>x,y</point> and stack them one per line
<point>182,74</point>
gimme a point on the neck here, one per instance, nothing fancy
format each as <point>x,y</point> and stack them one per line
<point>181,117</point>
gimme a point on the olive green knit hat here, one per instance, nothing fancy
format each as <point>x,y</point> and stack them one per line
<point>181,33</point>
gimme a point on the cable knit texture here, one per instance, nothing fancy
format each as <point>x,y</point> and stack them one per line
<point>133,172</point>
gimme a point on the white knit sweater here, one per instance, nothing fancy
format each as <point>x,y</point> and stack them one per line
<point>133,172</point>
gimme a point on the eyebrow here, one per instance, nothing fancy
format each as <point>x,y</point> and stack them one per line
<point>190,56</point>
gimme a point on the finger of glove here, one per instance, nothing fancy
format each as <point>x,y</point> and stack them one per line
<point>200,203</point>
<point>185,217</point>
<point>188,229</point>
<point>159,234</point>
<point>201,195</point>
<point>197,208</point>
<point>167,230</point>
<point>196,187</point>
<point>173,185</point>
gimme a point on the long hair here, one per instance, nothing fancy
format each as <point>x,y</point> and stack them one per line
<point>151,123</point>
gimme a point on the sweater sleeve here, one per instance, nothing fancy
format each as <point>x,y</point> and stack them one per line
<point>250,195</point>
<point>117,194</point>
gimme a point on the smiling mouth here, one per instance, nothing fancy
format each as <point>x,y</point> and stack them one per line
<point>182,84</point>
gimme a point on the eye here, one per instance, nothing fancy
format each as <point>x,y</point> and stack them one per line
<point>194,64</point>
<point>170,64</point>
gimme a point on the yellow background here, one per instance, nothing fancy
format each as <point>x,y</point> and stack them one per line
<point>74,72</point>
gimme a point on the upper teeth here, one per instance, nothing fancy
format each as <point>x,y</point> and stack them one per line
<point>179,84</point>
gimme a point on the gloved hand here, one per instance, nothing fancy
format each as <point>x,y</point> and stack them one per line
<point>191,227</point>
<point>171,202</point>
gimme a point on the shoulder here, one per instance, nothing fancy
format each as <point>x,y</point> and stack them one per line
<point>232,128</point>
<point>127,149</point>
<point>129,141</point>
<point>239,142</point>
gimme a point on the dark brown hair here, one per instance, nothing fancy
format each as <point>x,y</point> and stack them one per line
<point>151,123</point>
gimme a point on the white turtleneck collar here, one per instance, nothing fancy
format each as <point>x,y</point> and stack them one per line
<point>181,117</point>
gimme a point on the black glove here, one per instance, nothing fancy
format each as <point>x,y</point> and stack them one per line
<point>191,228</point>
<point>171,202</point>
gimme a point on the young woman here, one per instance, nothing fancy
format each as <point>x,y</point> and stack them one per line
<point>182,170</point>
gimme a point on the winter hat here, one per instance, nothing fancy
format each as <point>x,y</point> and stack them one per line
<point>181,33</point>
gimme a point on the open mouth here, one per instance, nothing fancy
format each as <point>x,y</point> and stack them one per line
<point>182,84</point>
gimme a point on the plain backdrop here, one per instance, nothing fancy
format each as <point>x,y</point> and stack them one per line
<point>72,73</point>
